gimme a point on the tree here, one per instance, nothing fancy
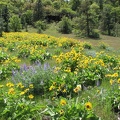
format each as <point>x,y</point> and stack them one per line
<point>15,23</point>
<point>65,26</point>
<point>40,25</point>
<point>107,20</point>
<point>75,4</point>
<point>1,26</point>
<point>38,13</point>
<point>5,16</point>
<point>88,19</point>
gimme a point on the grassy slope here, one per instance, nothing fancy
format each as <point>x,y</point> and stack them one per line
<point>111,41</point>
<point>101,110</point>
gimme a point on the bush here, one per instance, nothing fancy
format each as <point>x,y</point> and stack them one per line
<point>40,25</point>
<point>95,33</point>
<point>65,26</point>
<point>87,45</point>
<point>15,23</point>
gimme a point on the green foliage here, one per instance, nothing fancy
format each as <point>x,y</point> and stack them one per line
<point>67,12</point>
<point>103,46</point>
<point>75,4</point>
<point>93,14</point>
<point>23,53</point>
<point>65,26</point>
<point>16,103</point>
<point>29,17</point>
<point>56,4</point>
<point>70,109</point>
<point>85,25</point>
<point>40,25</point>
<point>38,12</point>
<point>5,16</point>
<point>15,23</point>
<point>95,33</point>
<point>3,57</point>
<point>40,77</point>
<point>87,45</point>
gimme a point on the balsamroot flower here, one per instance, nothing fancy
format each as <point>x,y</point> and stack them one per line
<point>77,89</point>
<point>11,91</point>
<point>88,106</point>
<point>111,82</point>
<point>63,102</point>
<point>31,96</point>
<point>31,86</point>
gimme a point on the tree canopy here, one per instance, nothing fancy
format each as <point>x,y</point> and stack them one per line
<point>103,15</point>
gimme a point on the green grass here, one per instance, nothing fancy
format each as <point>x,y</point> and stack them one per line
<point>113,42</point>
<point>102,110</point>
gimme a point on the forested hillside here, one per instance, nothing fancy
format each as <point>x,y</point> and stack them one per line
<point>85,18</point>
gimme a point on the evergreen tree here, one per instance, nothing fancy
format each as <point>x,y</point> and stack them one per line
<point>107,20</point>
<point>1,26</point>
<point>38,13</point>
<point>1,23</point>
<point>5,16</point>
<point>88,20</point>
<point>75,4</point>
<point>15,23</point>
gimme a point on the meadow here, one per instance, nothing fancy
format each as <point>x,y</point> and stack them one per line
<point>58,78</point>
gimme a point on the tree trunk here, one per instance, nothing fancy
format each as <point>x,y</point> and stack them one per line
<point>87,21</point>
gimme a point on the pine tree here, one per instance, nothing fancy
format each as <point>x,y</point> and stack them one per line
<point>38,13</point>
<point>1,24</point>
<point>15,23</point>
<point>5,16</point>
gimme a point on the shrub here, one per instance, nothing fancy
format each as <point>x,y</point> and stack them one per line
<point>103,46</point>
<point>15,23</point>
<point>40,25</point>
<point>65,26</point>
<point>87,45</point>
<point>95,33</point>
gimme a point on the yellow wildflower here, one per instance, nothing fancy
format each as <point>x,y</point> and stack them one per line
<point>61,112</point>
<point>59,89</point>
<point>115,75</point>
<point>108,75</point>
<point>118,81</point>
<point>51,87</point>
<point>22,86</point>
<point>31,86</point>
<point>77,89</point>
<point>26,90</point>
<point>31,96</point>
<point>62,102</point>
<point>19,84</point>
<point>64,91</point>
<point>68,69</point>
<point>111,82</point>
<point>54,83</point>
<point>9,84</point>
<point>11,91</point>
<point>22,93</point>
<point>88,106</point>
